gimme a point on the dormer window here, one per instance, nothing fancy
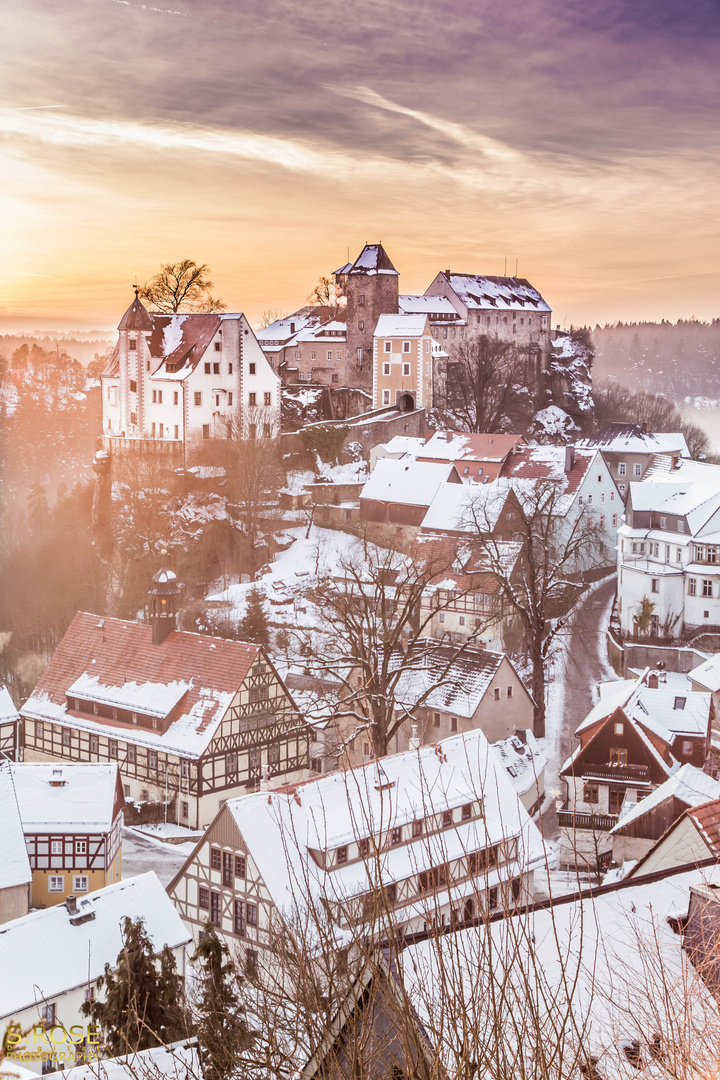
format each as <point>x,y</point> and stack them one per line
<point>341,854</point>
<point>396,836</point>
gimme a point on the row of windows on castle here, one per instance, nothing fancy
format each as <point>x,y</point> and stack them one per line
<point>702,553</point>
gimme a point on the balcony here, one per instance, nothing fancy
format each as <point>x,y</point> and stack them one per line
<point>629,774</point>
<point>569,820</point>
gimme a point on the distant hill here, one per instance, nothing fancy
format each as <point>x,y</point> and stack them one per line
<point>679,360</point>
<point>81,346</point>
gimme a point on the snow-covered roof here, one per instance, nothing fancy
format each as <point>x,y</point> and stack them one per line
<point>522,759</point>
<point>496,293</point>
<point>663,711</point>
<point>628,438</point>
<point>412,483</point>
<point>65,795</point>
<point>460,446</point>
<point>692,490</point>
<point>462,508</point>
<point>404,444</point>
<point>14,862</point>
<point>708,673</point>
<point>7,705</point>
<point>281,828</point>
<point>403,326</point>
<point>548,463</point>
<point>174,1061</point>
<point>194,676</point>
<point>49,955</point>
<point>690,785</point>
<point>429,305</point>
<point>439,679</point>
<point>373,259</point>
<point>603,972</point>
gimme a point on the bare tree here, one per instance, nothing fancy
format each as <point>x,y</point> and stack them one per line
<point>182,286</point>
<point>558,545</point>
<point>373,633</point>
<point>486,385</point>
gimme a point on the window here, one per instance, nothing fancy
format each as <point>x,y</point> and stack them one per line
<point>251,963</point>
<point>678,555</point>
<point>231,763</point>
<point>618,755</point>
<point>621,489</point>
<point>679,703</point>
<point>217,401</point>
<point>589,500</point>
<point>386,397</point>
<point>622,469</point>
<point>441,617</point>
<point>131,755</point>
<point>681,526</point>
<point>637,469</point>
<point>386,369</point>
<point>252,914</point>
<point>48,1015</point>
<point>240,866</point>
<point>177,432</point>
<point>80,883</point>
<point>251,369</point>
<point>615,800</point>
<point>239,918</point>
<point>94,744</point>
<point>391,893</point>
<point>692,586</point>
<point>687,747</point>
<point>417,829</point>
<point>447,819</point>
<point>204,899</point>
<point>496,693</point>
<point>406,346</point>
<point>707,589</point>
<point>600,482</point>
<point>406,369</point>
<point>215,908</point>
<point>509,692</point>
<point>185,809</point>
<point>612,496</point>
<point>396,836</point>
<point>112,748</point>
<point>229,399</point>
<point>364,847</point>
<point>66,738</point>
<point>39,729</point>
<point>341,854</point>
<point>467,812</point>
<point>215,858</point>
<point>268,397</point>
<point>152,759</point>
<point>197,397</point>
<point>207,369</point>
<point>461,620</point>
<point>453,723</point>
<point>614,521</point>
<point>133,346</point>
<point>218,346</point>
<point>252,399</point>
<point>81,847</point>
<point>436,719</point>
<point>227,868</point>
<point>361,325</point>
<point>361,301</point>
<point>655,585</point>
<point>663,522</point>
<point>619,728</point>
<point>591,793</point>
<point>56,883</point>
<point>387,346</point>
<point>206,431</point>
<point>56,847</point>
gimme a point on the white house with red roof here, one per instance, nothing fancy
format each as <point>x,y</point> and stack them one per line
<point>189,719</point>
<point>178,378</point>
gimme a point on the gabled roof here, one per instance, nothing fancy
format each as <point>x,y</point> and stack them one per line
<point>14,862</point>
<point>462,447</point>
<point>172,1061</point>
<point>664,711</point>
<point>429,305</point>
<point>708,673</point>
<point>63,796</point>
<point>48,955</point>
<point>439,679</point>
<point>548,463</point>
<point>409,483</point>
<point>466,508</point>
<point>584,753</point>
<point>632,439</point>
<point>117,662</point>
<point>688,785</point>
<point>707,822</point>
<point>496,293</point>
<point>8,711</point>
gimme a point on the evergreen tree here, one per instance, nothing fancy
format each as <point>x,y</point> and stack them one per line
<point>143,1004</point>
<point>221,1023</point>
<point>254,626</point>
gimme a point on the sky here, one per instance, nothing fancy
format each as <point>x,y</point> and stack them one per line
<point>273,140</point>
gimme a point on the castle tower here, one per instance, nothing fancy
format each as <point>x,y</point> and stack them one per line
<point>132,355</point>
<point>163,592</point>
<point>371,286</point>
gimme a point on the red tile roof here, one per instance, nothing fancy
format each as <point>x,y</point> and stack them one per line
<point>548,463</point>
<point>707,822</point>
<point>118,653</point>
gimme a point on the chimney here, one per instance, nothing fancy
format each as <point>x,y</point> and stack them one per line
<point>569,458</point>
<point>449,436</point>
<point>414,738</point>
<point>645,427</point>
<point>265,781</point>
<point>653,680</point>
<point>447,273</point>
<point>292,327</point>
<point>71,904</point>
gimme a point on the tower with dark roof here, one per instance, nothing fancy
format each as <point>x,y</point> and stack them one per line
<point>371,286</point>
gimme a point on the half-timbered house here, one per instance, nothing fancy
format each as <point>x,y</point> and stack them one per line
<point>72,819</point>
<point>438,833</point>
<point>191,720</point>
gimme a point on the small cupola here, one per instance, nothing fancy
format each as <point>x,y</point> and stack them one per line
<point>163,593</point>
<point>136,317</point>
